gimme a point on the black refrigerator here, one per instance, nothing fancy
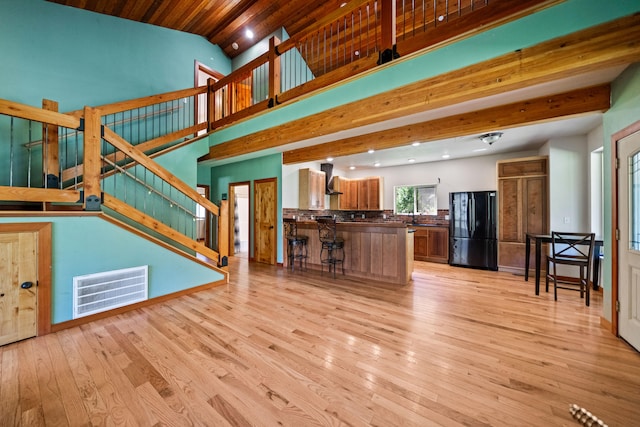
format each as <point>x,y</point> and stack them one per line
<point>472,230</point>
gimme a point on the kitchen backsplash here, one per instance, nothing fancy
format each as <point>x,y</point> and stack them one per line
<point>370,216</point>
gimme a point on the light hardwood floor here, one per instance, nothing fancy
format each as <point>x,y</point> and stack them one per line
<point>455,347</point>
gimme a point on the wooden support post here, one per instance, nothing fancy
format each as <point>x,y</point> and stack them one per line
<point>211,104</point>
<point>274,70</point>
<point>50,149</point>
<point>388,32</point>
<point>91,161</point>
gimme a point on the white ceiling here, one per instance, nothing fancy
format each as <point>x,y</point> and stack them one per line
<point>523,138</point>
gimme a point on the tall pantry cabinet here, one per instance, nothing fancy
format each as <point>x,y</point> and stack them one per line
<point>523,207</point>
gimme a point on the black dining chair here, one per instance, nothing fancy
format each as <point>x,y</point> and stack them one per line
<point>332,246</point>
<point>572,250</point>
<point>296,244</point>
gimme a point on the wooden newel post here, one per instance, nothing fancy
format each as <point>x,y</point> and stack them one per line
<point>274,70</point>
<point>50,150</point>
<point>211,105</point>
<point>91,161</point>
<point>388,29</point>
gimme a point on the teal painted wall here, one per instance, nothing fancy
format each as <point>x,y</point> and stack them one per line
<point>249,170</point>
<point>86,245</point>
<point>82,58</point>
<point>565,18</point>
<point>624,111</point>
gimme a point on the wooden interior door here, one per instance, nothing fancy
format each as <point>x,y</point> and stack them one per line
<point>265,216</point>
<point>18,286</point>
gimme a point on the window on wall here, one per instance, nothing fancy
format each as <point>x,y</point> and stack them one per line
<point>415,200</point>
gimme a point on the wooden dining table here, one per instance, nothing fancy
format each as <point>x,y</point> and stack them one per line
<point>539,239</point>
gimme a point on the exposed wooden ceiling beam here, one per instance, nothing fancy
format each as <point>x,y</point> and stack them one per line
<point>611,44</point>
<point>496,118</point>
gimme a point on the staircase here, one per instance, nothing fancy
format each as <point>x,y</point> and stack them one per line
<point>101,160</point>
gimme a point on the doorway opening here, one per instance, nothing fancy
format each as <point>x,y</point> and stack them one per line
<point>202,218</point>
<point>201,78</point>
<point>239,225</point>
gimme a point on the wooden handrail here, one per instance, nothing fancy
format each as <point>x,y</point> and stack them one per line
<point>153,224</point>
<point>36,114</point>
<point>118,142</point>
<point>242,71</point>
<point>21,194</point>
<point>145,101</point>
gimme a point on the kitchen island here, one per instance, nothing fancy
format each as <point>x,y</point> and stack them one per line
<point>376,251</point>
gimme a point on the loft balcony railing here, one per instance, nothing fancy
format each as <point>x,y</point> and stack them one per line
<point>72,161</point>
<point>356,38</point>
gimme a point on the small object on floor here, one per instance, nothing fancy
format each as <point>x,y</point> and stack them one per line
<point>585,417</point>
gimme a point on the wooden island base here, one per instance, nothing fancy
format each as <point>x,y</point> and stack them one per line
<point>375,251</point>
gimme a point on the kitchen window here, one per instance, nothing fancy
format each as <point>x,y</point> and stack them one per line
<point>415,200</point>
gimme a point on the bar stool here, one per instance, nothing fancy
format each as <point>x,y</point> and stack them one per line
<point>332,244</point>
<point>296,245</point>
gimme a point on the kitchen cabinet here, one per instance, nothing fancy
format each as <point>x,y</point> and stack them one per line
<point>311,189</point>
<point>431,244</point>
<point>523,207</point>
<point>362,194</point>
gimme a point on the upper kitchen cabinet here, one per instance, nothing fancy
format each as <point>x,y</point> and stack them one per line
<point>523,207</point>
<point>362,194</point>
<point>311,189</point>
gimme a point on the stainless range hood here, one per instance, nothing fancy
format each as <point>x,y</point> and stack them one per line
<point>327,168</point>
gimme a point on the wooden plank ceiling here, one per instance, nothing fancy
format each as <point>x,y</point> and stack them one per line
<point>222,22</point>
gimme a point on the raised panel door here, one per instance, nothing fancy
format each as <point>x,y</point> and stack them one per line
<point>535,205</point>
<point>373,196</point>
<point>420,244</point>
<point>438,244</point>
<point>18,304</point>
<point>363,194</point>
<point>509,208</point>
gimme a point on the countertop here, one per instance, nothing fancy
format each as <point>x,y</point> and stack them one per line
<point>359,224</point>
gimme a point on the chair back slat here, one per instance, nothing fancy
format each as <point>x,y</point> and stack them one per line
<point>326,229</point>
<point>290,228</point>
<point>571,245</point>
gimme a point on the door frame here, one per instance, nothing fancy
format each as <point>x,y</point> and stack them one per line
<point>231,194</point>
<point>43,314</point>
<point>199,67</point>
<point>615,226</point>
<point>207,220</point>
<point>274,254</point>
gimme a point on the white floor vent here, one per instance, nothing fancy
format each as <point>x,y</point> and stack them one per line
<point>94,293</point>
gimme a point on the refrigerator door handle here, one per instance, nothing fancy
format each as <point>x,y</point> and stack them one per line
<point>472,216</point>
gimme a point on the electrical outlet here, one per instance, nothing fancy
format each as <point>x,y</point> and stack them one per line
<point>362,216</point>
<point>352,216</point>
<point>567,220</point>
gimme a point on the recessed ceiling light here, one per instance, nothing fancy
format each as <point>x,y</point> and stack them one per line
<point>329,159</point>
<point>479,149</point>
<point>235,46</point>
<point>352,167</point>
<point>376,164</point>
<point>445,156</point>
<point>371,151</point>
<point>412,160</point>
<point>415,144</point>
<point>249,34</point>
<point>343,4</point>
